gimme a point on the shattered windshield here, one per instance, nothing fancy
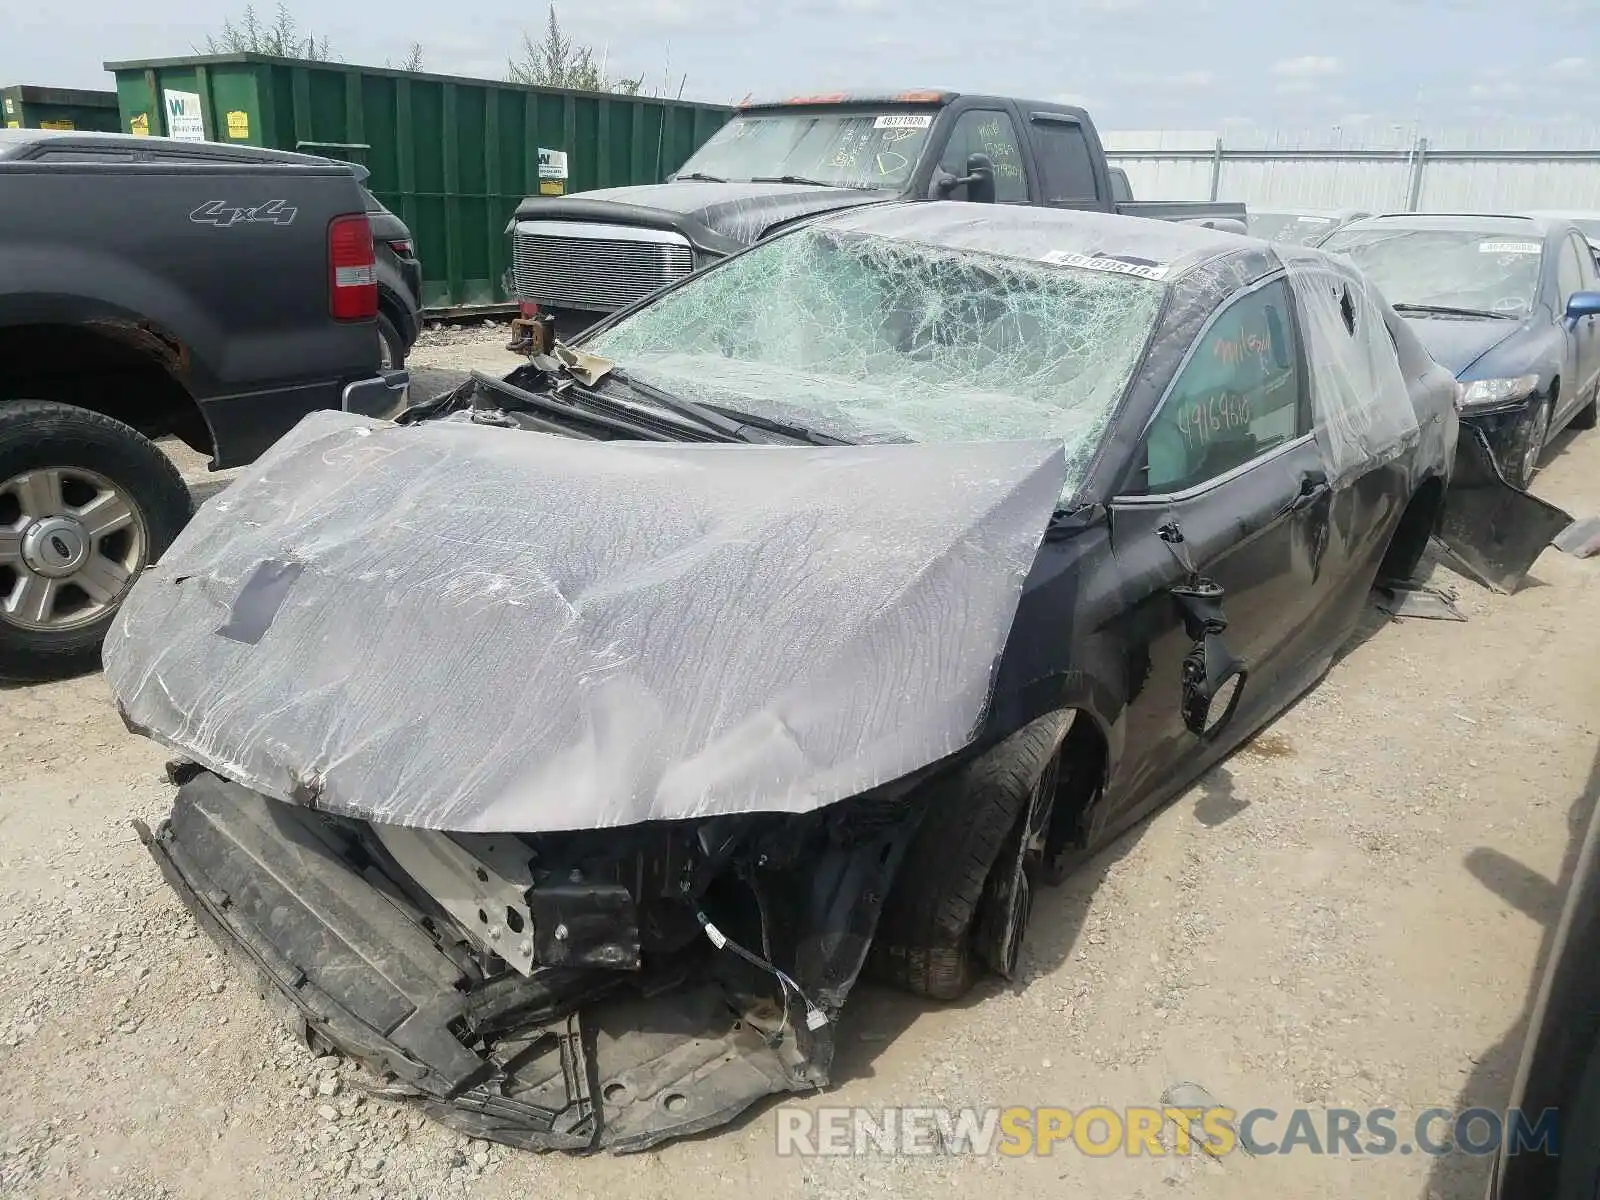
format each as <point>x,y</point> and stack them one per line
<point>1288,227</point>
<point>878,339</point>
<point>1487,269</point>
<point>840,149</point>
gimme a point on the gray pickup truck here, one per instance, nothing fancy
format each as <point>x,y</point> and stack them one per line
<point>581,256</point>
<point>149,290</point>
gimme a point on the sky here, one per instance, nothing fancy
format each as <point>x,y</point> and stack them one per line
<point>1136,64</point>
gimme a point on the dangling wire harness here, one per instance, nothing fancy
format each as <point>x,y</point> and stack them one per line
<point>815,1017</point>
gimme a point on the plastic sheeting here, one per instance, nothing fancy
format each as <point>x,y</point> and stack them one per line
<point>1361,408</point>
<point>458,627</point>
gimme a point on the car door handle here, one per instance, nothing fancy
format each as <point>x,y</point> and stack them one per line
<point>1313,487</point>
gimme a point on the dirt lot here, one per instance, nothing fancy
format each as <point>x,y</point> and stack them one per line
<point>1348,913</point>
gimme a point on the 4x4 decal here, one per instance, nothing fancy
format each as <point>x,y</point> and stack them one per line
<point>222,215</point>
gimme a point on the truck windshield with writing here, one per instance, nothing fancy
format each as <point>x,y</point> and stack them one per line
<point>773,164</point>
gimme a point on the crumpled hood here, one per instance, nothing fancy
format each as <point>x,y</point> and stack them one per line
<point>742,211</point>
<point>1458,342</point>
<point>462,627</point>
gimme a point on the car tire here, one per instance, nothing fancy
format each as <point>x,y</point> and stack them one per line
<point>1526,445</point>
<point>54,614</point>
<point>930,937</point>
<point>391,346</point>
<point>1587,416</point>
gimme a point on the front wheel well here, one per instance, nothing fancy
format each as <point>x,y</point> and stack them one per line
<point>1085,759</point>
<point>121,369</point>
<point>1419,522</point>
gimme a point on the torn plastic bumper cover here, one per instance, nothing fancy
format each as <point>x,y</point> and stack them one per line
<point>564,1057</point>
<point>561,783</point>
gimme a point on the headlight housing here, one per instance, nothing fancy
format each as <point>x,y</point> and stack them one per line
<point>1486,393</point>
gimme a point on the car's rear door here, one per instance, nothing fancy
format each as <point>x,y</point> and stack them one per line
<point>1226,485</point>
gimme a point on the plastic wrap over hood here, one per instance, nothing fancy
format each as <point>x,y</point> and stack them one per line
<point>468,628</point>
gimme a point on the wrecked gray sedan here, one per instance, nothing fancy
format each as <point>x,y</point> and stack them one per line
<point>566,751</point>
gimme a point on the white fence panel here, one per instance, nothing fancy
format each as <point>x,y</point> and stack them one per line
<point>1456,186</point>
<point>1167,178</point>
<point>1316,183</point>
<point>1381,168</point>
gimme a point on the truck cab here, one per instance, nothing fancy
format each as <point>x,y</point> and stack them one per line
<point>583,256</point>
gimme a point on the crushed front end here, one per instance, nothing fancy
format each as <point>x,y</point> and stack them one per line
<point>560,781</point>
<point>587,990</point>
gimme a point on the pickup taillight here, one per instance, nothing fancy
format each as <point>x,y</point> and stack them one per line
<point>352,278</point>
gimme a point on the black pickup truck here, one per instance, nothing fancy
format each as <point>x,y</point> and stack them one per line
<point>584,255</point>
<point>149,290</point>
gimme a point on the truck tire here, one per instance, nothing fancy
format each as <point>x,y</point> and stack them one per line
<point>86,503</point>
<point>928,937</point>
<point>391,346</point>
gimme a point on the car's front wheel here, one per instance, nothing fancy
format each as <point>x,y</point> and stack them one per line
<point>964,892</point>
<point>86,503</point>
<point>1526,444</point>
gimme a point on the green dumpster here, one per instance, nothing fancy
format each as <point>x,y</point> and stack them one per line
<point>24,107</point>
<point>453,157</point>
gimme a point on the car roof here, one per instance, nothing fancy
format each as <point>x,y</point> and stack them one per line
<point>1534,226</point>
<point>1045,234</point>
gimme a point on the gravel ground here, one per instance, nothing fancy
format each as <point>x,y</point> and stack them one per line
<point>1349,912</point>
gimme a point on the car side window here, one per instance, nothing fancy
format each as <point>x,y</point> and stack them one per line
<point>991,132</point>
<point>1569,272</point>
<point>1239,395</point>
<point>1066,169</point>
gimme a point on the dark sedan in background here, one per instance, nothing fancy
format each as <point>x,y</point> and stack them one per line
<point>827,602</point>
<point>1506,302</point>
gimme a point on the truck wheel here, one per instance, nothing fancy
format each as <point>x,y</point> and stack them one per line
<point>391,346</point>
<point>1585,417</point>
<point>86,503</point>
<point>964,892</point>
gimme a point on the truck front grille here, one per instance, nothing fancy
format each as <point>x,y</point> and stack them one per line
<point>598,272</point>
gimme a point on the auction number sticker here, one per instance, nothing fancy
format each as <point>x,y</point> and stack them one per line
<point>1508,247</point>
<point>1068,258</point>
<point>903,121</point>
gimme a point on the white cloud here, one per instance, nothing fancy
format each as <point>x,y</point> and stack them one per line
<point>1307,66</point>
<point>1499,90</point>
<point>1569,68</point>
<point>1176,81</point>
<point>1076,99</point>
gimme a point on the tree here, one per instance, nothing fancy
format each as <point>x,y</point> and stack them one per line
<point>413,60</point>
<point>283,38</point>
<point>558,61</point>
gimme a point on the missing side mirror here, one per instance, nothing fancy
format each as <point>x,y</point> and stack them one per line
<point>1212,677</point>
